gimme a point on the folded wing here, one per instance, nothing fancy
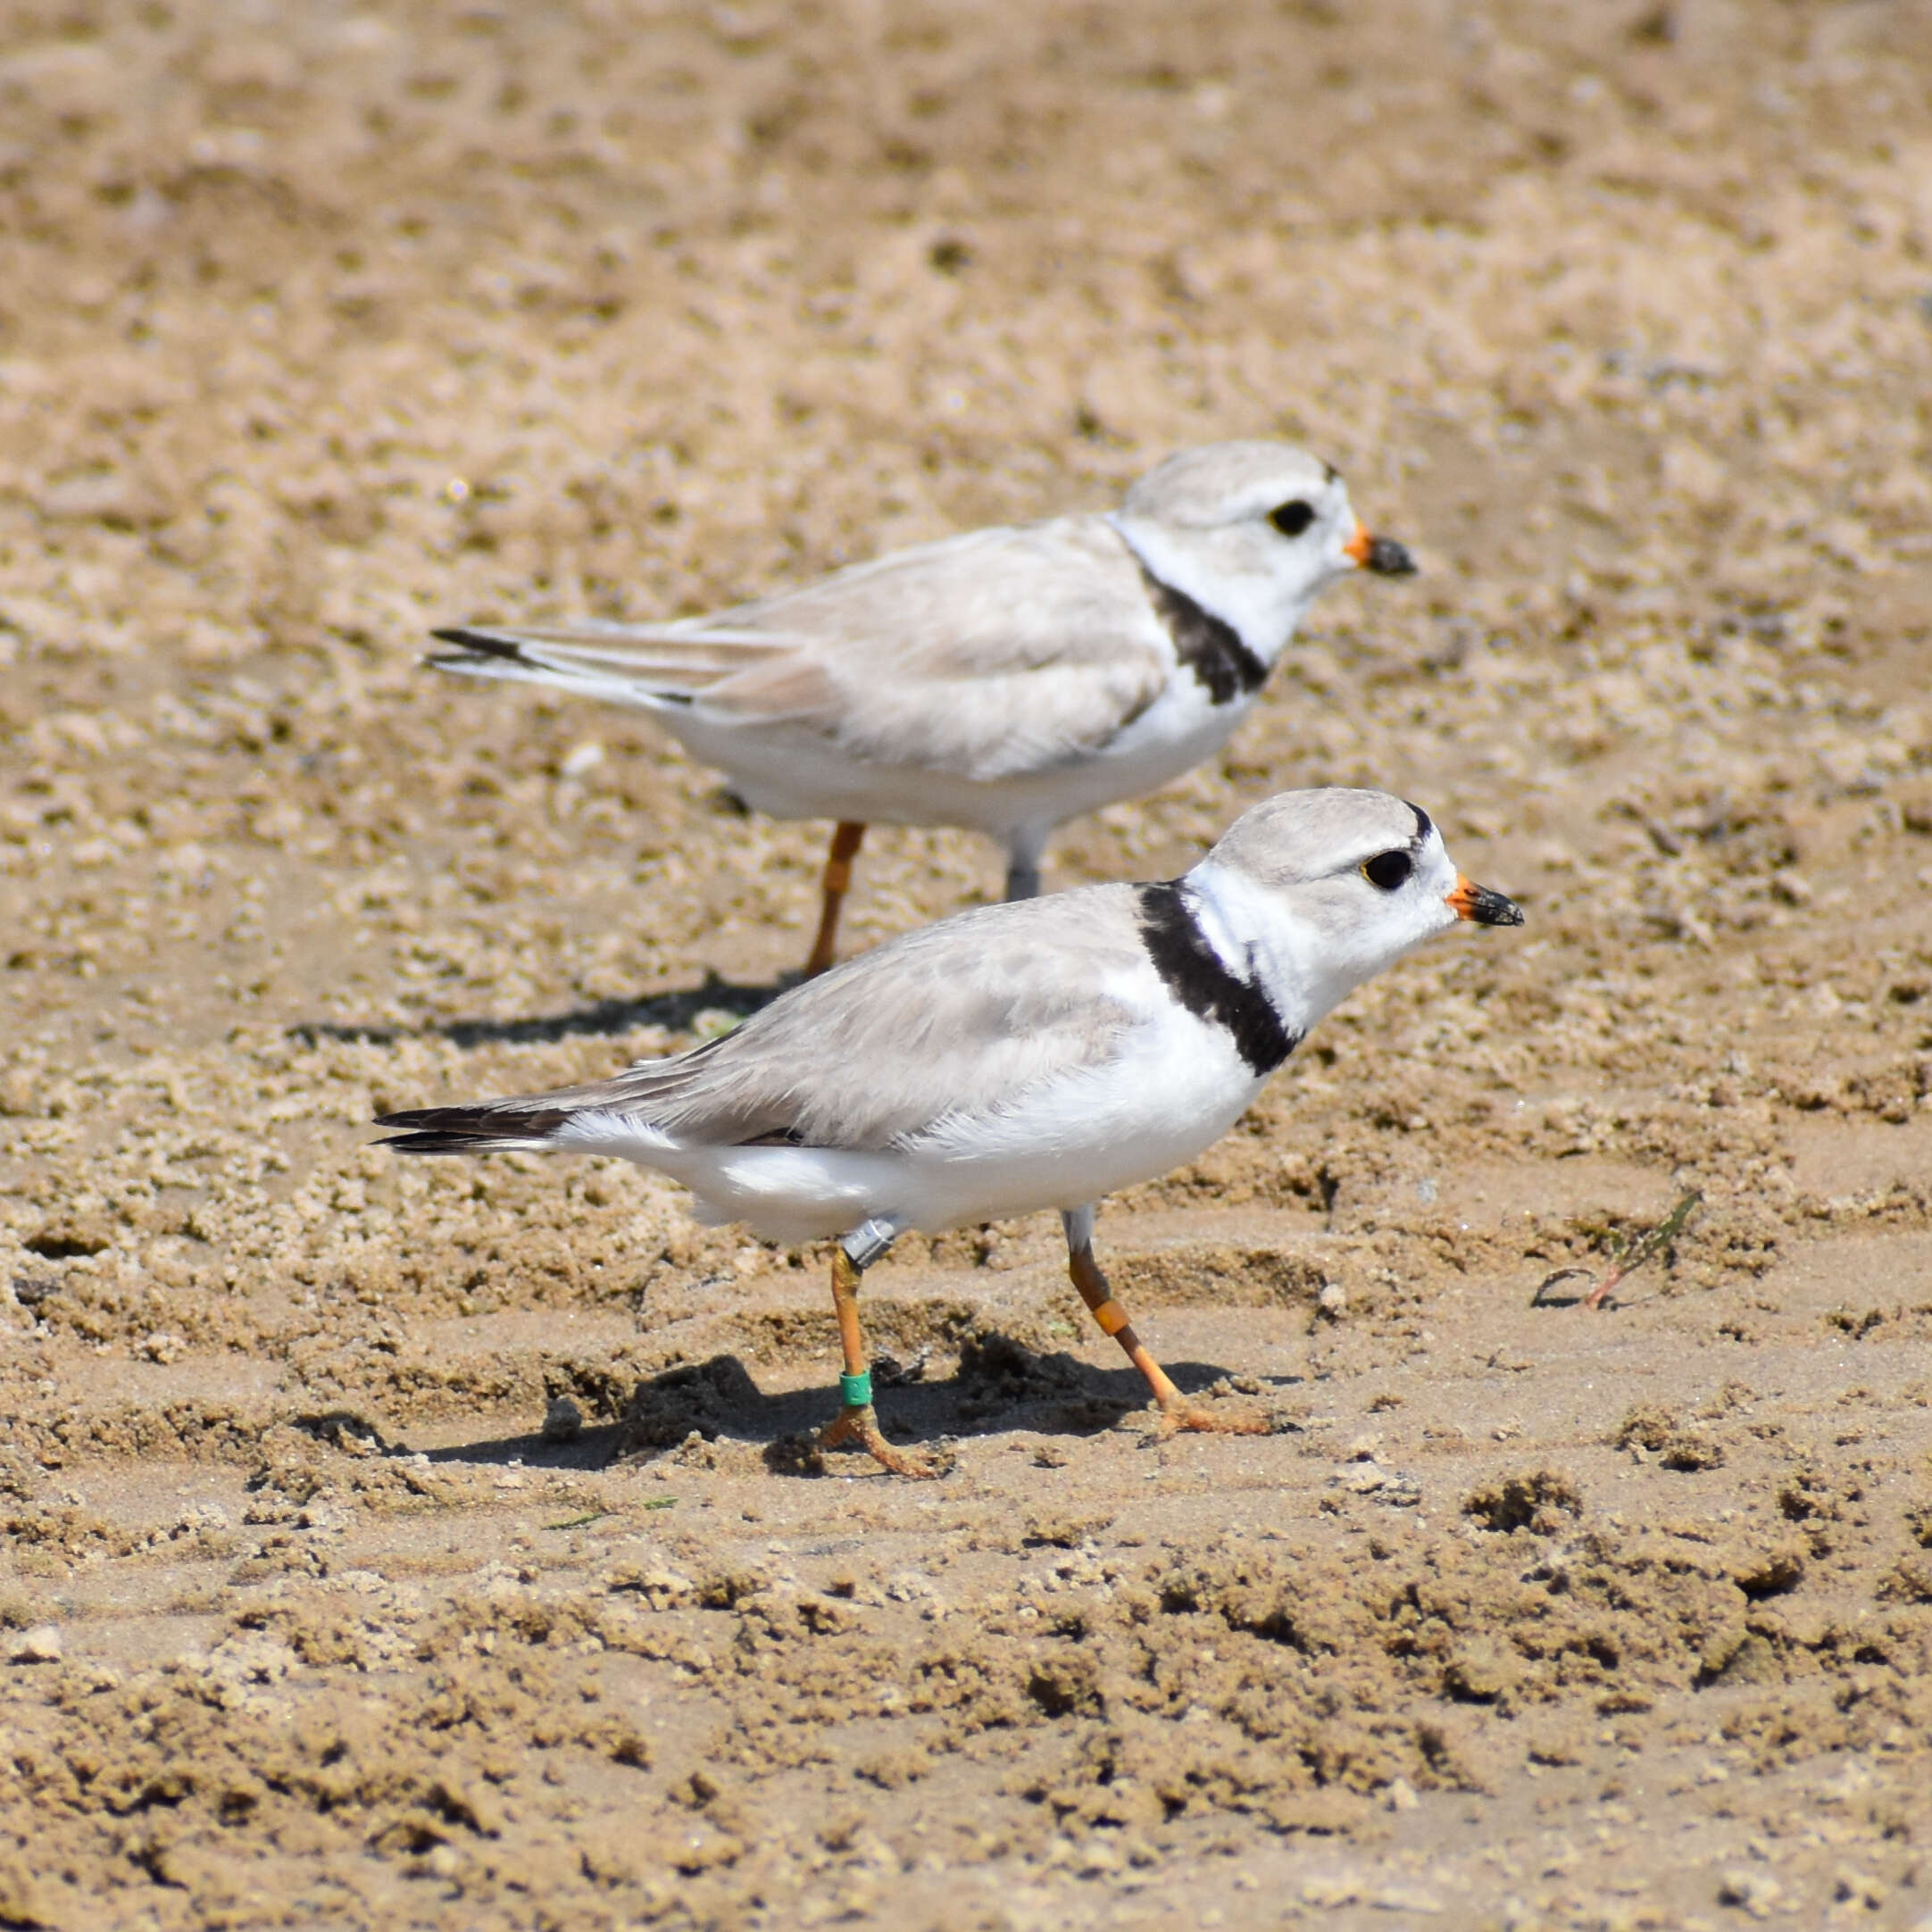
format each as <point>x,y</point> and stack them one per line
<point>999,653</point>
<point>958,1020</point>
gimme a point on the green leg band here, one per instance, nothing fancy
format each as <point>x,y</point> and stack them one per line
<point>855,1391</point>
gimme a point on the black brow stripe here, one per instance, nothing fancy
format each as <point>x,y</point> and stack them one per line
<point>1422,826</point>
<point>1208,645</point>
<point>1195,976</point>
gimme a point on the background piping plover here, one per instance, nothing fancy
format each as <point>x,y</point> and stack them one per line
<point>1018,1057</point>
<point>1004,680</point>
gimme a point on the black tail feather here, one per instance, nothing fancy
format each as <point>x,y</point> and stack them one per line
<point>467,1130</point>
<point>482,642</point>
<point>427,1143</point>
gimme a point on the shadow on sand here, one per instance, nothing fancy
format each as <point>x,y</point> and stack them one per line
<point>675,1011</point>
<point>999,1385</point>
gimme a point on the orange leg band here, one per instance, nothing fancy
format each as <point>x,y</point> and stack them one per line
<point>1176,1410</point>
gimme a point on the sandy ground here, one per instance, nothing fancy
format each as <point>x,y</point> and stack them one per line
<point>319,327</point>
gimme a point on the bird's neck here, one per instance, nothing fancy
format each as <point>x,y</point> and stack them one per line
<point>1262,612</point>
<point>1259,939</point>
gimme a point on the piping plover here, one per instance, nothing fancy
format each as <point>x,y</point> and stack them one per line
<point>1004,680</point>
<point>1023,1056</point>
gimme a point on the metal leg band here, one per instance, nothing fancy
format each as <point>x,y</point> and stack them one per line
<point>868,1241</point>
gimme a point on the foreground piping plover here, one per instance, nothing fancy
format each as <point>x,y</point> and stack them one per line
<point>1004,680</point>
<point>1023,1056</point>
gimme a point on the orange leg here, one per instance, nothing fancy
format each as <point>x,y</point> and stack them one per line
<point>855,1422</point>
<point>1177,1412</point>
<point>836,883</point>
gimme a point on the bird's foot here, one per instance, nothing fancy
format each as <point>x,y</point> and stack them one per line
<point>859,1429</point>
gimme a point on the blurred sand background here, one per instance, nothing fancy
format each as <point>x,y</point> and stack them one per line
<point>319,327</point>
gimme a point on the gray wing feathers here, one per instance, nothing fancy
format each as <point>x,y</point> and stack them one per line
<point>1000,651</point>
<point>953,1020</point>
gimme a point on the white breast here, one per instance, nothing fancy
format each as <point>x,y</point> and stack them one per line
<point>1178,1085</point>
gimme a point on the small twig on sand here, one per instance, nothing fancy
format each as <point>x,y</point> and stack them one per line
<point>1631,1256</point>
<point>1550,1281</point>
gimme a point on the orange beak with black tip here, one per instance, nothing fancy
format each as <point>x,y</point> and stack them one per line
<point>1484,907</point>
<point>1382,554</point>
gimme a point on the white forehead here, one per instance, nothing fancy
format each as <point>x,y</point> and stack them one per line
<point>1224,482</point>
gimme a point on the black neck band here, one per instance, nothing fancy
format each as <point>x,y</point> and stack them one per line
<point>1208,645</point>
<point>1196,976</point>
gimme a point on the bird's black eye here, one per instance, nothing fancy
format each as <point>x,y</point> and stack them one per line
<point>1388,869</point>
<point>1291,519</point>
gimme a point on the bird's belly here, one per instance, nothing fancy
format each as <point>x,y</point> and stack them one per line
<point>1169,739</point>
<point>789,773</point>
<point>1178,1088</point>
<point>787,1194</point>
<point>1139,1117</point>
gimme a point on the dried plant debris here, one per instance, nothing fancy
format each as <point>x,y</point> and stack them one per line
<point>1628,1254</point>
<point>319,327</point>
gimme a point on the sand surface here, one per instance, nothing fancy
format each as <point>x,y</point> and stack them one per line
<point>317,327</point>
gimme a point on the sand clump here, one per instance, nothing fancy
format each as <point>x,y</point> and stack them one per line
<point>443,1544</point>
